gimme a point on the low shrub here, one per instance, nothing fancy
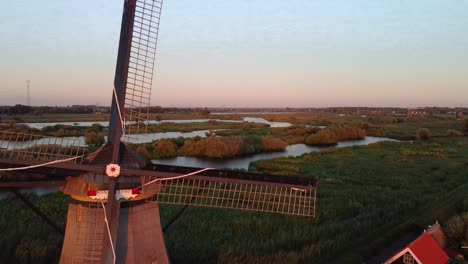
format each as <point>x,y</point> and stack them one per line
<point>456,230</point>
<point>270,143</point>
<point>231,146</point>
<point>348,132</point>
<point>423,134</point>
<point>454,133</point>
<point>164,149</point>
<point>332,135</point>
<point>323,137</point>
<point>94,139</point>
<point>301,131</point>
<point>143,151</point>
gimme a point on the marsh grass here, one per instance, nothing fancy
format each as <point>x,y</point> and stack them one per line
<point>363,193</point>
<point>194,126</point>
<point>25,237</point>
<point>407,130</point>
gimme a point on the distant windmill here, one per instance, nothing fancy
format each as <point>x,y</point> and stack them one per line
<point>113,216</point>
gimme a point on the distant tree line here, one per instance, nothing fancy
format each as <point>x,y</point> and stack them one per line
<point>20,109</point>
<point>189,110</point>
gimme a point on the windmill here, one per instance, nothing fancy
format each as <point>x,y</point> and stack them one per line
<point>113,216</point>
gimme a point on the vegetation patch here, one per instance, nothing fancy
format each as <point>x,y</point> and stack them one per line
<point>26,238</point>
<point>94,136</point>
<point>231,146</point>
<point>211,147</point>
<point>332,135</point>
<point>407,130</point>
<point>194,126</point>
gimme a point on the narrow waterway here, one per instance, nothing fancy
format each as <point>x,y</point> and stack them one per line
<point>141,138</point>
<point>182,121</point>
<point>243,162</point>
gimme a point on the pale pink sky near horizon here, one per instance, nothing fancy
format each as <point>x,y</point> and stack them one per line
<point>245,54</point>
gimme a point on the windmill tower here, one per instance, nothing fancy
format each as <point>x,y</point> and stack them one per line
<point>113,216</point>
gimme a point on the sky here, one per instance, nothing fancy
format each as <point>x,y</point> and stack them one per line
<point>244,53</point>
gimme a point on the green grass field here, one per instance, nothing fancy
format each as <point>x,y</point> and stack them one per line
<point>407,130</point>
<point>364,193</point>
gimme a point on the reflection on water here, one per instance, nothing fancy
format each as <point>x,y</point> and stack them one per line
<point>263,121</point>
<point>257,113</point>
<point>144,138</point>
<point>243,162</point>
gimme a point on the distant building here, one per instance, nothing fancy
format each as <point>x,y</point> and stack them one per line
<point>459,115</point>
<point>428,248</point>
<point>416,112</point>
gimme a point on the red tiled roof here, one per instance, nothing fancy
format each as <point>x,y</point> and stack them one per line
<point>427,250</point>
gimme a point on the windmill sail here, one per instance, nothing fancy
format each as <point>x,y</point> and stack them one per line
<point>233,190</point>
<point>141,65</point>
<point>21,146</point>
<point>249,196</point>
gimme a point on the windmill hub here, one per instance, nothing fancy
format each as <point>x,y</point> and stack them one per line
<point>113,170</point>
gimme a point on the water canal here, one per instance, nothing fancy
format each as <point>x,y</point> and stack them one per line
<point>243,162</point>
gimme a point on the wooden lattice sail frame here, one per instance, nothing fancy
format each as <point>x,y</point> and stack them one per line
<point>233,190</point>
<point>23,146</point>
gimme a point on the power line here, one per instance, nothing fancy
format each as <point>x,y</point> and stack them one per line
<point>28,95</point>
